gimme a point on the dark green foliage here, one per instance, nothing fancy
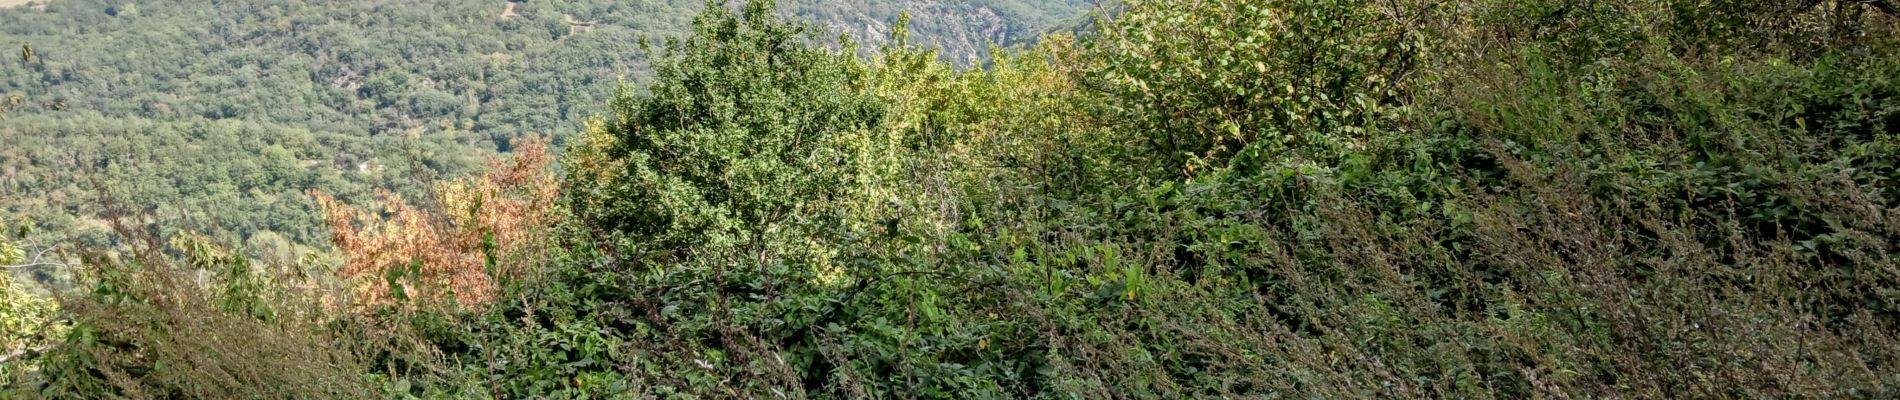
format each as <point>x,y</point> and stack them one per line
<point>745,127</point>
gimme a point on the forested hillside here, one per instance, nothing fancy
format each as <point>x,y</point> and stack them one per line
<point>1335,199</point>
<point>187,106</point>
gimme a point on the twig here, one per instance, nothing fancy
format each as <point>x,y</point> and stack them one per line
<point>39,259</point>
<point>29,265</point>
<point>23,351</point>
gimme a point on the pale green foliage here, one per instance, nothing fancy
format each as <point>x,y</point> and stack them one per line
<point>10,254</point>
<point>1200,80</point>
<point>28,321</point>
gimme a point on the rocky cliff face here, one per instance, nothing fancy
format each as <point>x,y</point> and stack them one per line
<point>962,29</point>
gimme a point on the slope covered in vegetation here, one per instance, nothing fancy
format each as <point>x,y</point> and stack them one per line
<point>1256,198</point>
<point>187,106</point>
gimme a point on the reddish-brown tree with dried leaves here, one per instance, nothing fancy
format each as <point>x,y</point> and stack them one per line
<point>487,227</point>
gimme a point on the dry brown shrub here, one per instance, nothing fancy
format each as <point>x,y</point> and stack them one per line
<point>179,343</point>
<point>498,218</point>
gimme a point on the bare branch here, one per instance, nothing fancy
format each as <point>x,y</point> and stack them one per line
<point>39,259</point>
<point>24,351</point>
<point>28,265</point>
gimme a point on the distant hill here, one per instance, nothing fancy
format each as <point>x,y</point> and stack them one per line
<point>14,3</point>
<point>963,30</point>
<point>306,74</point>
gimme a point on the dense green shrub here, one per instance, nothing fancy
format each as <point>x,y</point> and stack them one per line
<point>745,134</point>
